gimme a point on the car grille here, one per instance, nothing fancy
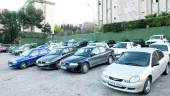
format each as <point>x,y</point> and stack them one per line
<point>41,62</point>
<point>115,79</point>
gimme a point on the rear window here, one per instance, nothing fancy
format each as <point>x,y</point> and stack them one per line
<point>160,47</point>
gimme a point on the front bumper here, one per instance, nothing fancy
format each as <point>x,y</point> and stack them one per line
<point>13,65</point>
<point>69,67</point>
<point>122,86</point>
<point>47,66</point>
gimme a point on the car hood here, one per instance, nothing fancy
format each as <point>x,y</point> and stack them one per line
<point>119,50</point>
<point>123,71</point>
<point>49,58</point>
<point>75,59</point>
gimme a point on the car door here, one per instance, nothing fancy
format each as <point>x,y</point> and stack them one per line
<point>156,66</point>
<point>162,61</point>
<point>103,55</point>
<point>33,56</point>
<point>95,58</point>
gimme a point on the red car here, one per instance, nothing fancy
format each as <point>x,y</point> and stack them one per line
<point>3,48</point>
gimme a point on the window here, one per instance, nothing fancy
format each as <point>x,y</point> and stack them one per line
<point>155,58</point>
<point>95,51</point>
<point>34,53</point>
<point>102,49</point>
<point>43,52</point>
<point>65,50</point>
<point>160,54</point>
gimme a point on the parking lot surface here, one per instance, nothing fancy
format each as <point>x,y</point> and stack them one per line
<point>35,82</point>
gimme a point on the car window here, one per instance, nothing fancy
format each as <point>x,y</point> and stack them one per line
<point>95,51</point>
<point>155,58</point>
<point>160,54</point>
<point>102,49</point>
<point>66,50</point>
<point>43,52</point>
<point>34,53</point>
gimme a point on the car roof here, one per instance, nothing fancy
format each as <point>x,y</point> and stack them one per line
<point>160,44</point>
<point>145,50</point>
<point>158,35</point>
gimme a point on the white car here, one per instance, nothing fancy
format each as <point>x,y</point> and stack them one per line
<point>156,39</point>
<point>121,47</point>
<point>136,70</point>
<point>99,44</point>
<point>164,47</point>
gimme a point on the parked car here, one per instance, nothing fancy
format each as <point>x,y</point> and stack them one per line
<point>81,44</point>
<point>99,44</point>
<point>110,43</point>
<point>164,47</point>
<point>3,48</point>
<point>156,39</point>
<point>87,57</point>
<point>136,70</point>
<point>23,48</point>
<point>27,58</point>
<point>52,59</point>
<point>121,47</point>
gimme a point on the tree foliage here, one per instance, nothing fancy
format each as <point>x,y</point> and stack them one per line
<point>46,28</point>
<point>30,17</point>
<point>58,29</point>
<point>11,26</point>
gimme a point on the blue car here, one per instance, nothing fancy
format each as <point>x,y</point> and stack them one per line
<point>27,58</point>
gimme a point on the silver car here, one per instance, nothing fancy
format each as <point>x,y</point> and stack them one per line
<point>136,70</point>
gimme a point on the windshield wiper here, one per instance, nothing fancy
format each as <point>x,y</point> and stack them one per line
<point>133,64</point>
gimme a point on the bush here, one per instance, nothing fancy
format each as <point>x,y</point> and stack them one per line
<point>155,21</point>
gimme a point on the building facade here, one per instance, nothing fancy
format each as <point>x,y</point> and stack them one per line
<point>110,11</point>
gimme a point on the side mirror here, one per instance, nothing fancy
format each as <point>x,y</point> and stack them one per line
<point>93,54</point>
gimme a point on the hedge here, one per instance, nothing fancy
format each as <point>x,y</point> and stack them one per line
<point>137,24</point>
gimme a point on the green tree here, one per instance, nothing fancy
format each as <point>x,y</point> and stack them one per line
<point>30,17</point>
<point>46,28</point>
<point>11,26</point>
<point>57,29</point>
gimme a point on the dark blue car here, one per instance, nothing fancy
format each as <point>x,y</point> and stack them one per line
<point>27,58</point>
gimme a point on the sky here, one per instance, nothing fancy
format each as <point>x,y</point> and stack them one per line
<point>66,11</point>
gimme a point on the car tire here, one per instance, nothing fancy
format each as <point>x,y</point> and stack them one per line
<point>166,71</point>
<point>147,86</point>
<point>110,60</point>
<point>84,68</point>
<point>23,65</point>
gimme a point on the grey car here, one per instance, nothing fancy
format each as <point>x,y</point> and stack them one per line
<point>86,58</point>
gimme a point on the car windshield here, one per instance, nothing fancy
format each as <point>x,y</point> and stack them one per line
<point>134,59</point>
<point>155,37</point>
<point>84,52</point>
<point>23,46</point>
<point>160,47</point>
<point>26,53</point>
<point>56,51</point>
<point>120,45</point>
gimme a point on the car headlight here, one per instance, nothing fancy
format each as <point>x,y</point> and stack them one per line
<point>47,62</point>
<point>134,79</point>
<point>14,62</point>
<point>74,64</point>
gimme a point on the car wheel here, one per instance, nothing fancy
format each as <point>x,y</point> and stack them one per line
<point>84,68</point>
<point>166,71</point>
<point>147,86</point>
<point>23,65</point>
<point>110,60</point>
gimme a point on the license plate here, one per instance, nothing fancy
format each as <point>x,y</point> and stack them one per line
<point>115,84</point>
<point>63,67</point>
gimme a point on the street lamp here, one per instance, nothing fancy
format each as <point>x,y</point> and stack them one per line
<point>93,18</point>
